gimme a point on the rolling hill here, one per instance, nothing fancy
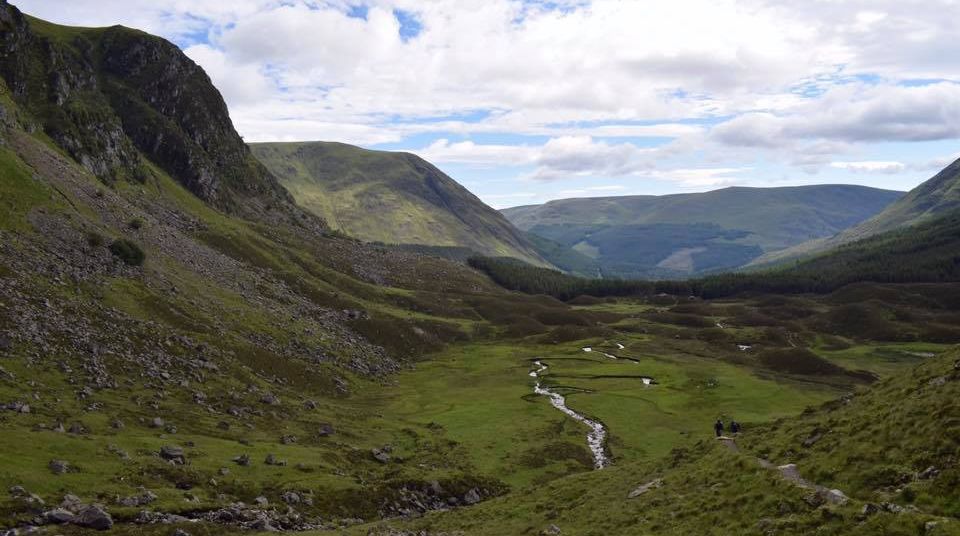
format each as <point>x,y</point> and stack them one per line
<point>390,197</point>
<point>688,234</point>
<point>936,197</point>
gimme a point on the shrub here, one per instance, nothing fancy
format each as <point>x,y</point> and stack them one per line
<point>95,239</point>
<point>128,252</point>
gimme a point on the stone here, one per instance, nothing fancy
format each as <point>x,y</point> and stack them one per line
<point>173,453</point>
<point>59,516</point>
<point>644,488</point>
<point>380,455</point>
<point>291,498</point>
<point>223,471</point>
<point>472,496</point>
<point>94,517</point>
<point>117,424</point>
<point>835,496</point>
<point>145,498</point>
<point>17,491</point>
<point>270,399</point>
<point>928,473</point>
<point>288,439</point>
<point>58,467</point>
<point>309,405</point>
<point>71,502</point>
<point>242,460</point>
<point>157,422</point>
<point>263,525</point>
<point>552,530</point>
<point>815,436</point>
<point>180,532</point>
<point>326,429</point>
<point>261,501</point>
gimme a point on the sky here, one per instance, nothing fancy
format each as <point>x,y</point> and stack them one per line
<point>527,101</point>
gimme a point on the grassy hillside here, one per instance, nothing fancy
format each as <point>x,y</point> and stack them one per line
<point>394,198</point>
<point>934,198</point>
<point>684,234</point>
<point>172,364</point>
<point>871,445</point>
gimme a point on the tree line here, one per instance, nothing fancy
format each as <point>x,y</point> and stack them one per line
<point>926,253</point>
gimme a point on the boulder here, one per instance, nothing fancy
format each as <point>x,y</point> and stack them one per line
<point>270,399</point>
<point>472,496</point>
<point>928,473</point>
<point>157,422</point>
<point>644,488</point>
<point>326,429</point>
<point>173,453</point>
<point>380,455</point>
<point>94,517</point>
<point>59,516</point>
<point>243,460</point>
<point>58,467</point>
<point>835,496</point>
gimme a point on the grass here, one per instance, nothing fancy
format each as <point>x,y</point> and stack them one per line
<point>19,192</point>
<point>389,197</point>
<point>265,305</point>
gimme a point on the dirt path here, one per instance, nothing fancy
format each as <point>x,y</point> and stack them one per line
<point>790,473</point>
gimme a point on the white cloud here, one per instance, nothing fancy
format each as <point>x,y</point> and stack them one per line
<point>564,157</point>
<point>871,166</point>
<point>799,83</point>
<point>699,177</point>
<point>853,113</point>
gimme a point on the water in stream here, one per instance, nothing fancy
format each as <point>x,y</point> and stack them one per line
<point>597,434</point>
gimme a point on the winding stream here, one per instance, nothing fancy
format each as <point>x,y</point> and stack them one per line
<point>597,434</point>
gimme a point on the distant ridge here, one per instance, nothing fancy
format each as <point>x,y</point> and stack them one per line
<point>687,234</point>
<point>936,197</point>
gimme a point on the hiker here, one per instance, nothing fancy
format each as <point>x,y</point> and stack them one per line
<point>718,427</point>
<point>734,427</point>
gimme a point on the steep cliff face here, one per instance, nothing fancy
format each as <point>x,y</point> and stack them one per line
<point>113,98</point>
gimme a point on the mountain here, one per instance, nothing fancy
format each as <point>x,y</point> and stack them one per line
<point>390,197</point>
<point>122,103</point>
<point>205,357</point>
<point>936,197</point>
<point>688,234</point>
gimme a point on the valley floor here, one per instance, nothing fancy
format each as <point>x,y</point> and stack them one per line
<point>467,421</point>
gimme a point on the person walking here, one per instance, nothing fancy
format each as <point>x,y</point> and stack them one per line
<point>718,427</point>
<point>734,427</point>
